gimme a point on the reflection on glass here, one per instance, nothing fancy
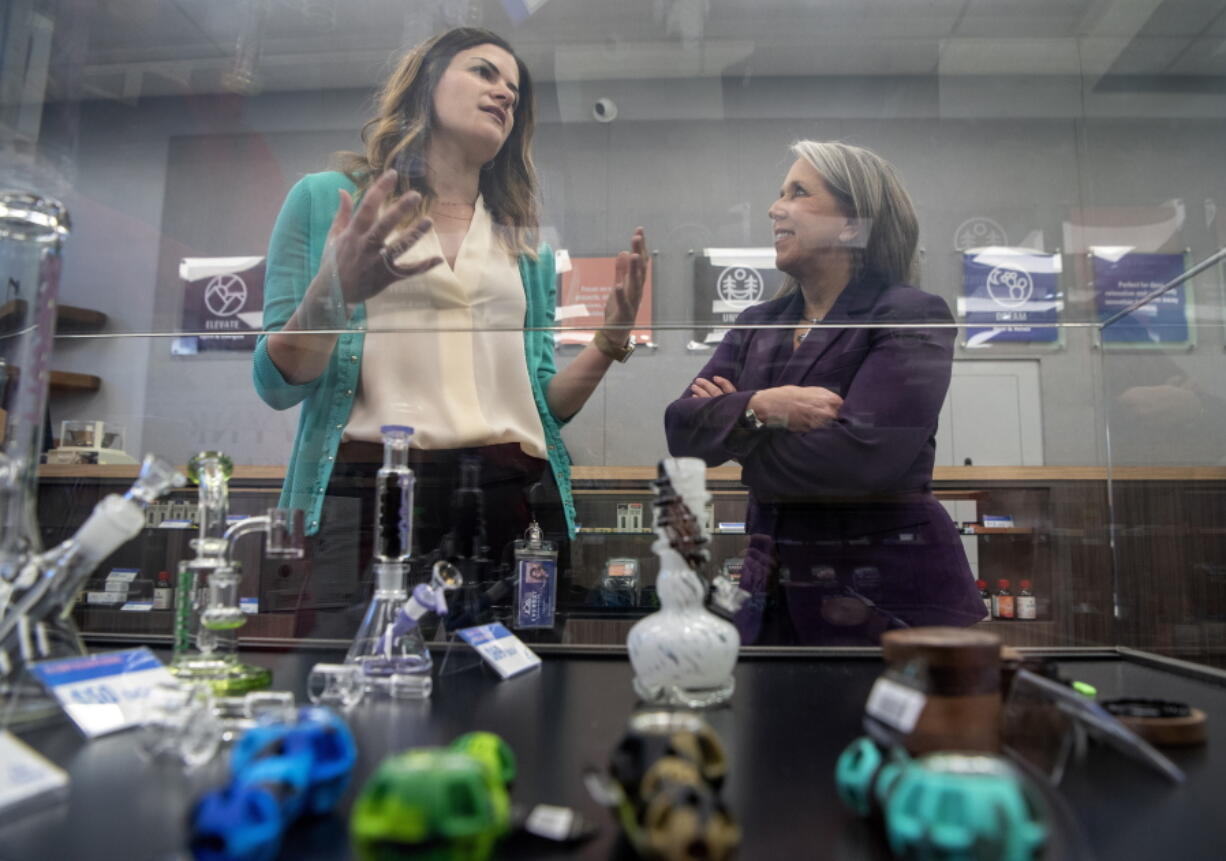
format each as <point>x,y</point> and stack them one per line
<point>1027,138</point>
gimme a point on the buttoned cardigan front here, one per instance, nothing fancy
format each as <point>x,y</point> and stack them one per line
<point>294,253</point>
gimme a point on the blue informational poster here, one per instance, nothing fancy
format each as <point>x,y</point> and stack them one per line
<point>1121,278</point>
<point>1010,295</point>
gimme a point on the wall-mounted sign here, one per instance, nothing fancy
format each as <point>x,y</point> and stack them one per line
<point>1121,277</point>
<point>222,295</point>
<point>979,232</point>
<point>585,290</point>
<point>1010,295</point>
<point>729,280</point>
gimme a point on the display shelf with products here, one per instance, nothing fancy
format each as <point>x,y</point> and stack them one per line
<point>1061,543</point>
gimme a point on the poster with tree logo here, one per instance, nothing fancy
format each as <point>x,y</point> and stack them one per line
<point>726,282</point>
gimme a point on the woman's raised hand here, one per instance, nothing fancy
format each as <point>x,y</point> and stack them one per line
<point>364,264</point>
<point>629,275</point>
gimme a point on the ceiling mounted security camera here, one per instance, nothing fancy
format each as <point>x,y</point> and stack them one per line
<point>604,111</point>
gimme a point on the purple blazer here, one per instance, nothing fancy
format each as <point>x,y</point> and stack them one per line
<point>845,512</point>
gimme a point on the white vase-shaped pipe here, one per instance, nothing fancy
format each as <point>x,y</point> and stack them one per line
<point>683,654</point>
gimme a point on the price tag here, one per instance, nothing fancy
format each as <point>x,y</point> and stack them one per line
<point>25,775</point>
<point>105,692</point>
<point>137,607</point>
<point>895,705</point>
<point>501,649</point>
<point>550,821</point>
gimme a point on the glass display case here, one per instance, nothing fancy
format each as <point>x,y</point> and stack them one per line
<point>1076,447</point>
<point>937,291</point>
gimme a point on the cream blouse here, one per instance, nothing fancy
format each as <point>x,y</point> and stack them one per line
<point>429,360</point>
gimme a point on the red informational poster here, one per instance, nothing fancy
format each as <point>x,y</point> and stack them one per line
<point>581,301</point>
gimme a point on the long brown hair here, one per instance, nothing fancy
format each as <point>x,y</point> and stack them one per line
<point>399,133</point>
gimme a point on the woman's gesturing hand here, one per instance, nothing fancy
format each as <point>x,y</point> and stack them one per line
<point>629,275</point>
<point>364,265</point>
<point>796,408</point>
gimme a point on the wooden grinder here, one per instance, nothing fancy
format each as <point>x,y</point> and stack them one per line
<point>961,668</point>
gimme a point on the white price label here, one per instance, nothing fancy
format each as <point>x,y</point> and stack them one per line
<point>24,774</point>
<point>895,705</point>
<point>501,649</point>
<point>105,692</point>
<point>550,821</point>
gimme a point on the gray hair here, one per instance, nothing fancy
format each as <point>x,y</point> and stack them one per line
<point>869,189</point>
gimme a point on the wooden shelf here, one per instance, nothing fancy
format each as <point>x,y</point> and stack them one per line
<point>992,475</point>
<point>996,530</point>
<point>70,381</point>
<point>11,314</point>
<point>124,471</point>
<point>63,381</point>
<point>72,320</point>
<point>985,474</point>
<point>68,318</point>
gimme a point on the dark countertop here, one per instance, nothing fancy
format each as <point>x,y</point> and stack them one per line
<point>789,720</point>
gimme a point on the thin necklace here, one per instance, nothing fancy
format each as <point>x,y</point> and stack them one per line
<point>472,205</point>
<point>800,336</point>
<point>453,217</point>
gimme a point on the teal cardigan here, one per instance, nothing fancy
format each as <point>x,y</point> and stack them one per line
<point>294,252</point>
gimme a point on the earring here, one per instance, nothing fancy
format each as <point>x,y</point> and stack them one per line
<point>489,165</point>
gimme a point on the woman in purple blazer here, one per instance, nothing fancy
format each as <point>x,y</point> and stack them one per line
<point>828,398</point>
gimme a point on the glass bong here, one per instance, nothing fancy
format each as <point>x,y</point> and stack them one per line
<point>37,588</point>
<point>390,641</point>
<point>207,608</point>
<point>683,654</point>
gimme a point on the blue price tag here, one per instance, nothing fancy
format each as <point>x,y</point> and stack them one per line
<point>501,649</point>
<point>105,692</point>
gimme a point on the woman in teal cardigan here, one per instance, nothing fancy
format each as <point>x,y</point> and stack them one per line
<point>434,223</point>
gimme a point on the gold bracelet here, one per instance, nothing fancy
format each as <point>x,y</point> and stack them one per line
<point>606,346</point>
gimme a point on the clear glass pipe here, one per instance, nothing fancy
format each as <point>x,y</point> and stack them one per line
<point>32,234</point>
<point>208,611</point>
<point>394,497</point>
<point>34,622</point>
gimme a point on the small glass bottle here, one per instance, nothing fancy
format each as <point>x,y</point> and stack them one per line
<point>163,592</point>
<point>1002,601</point>
<point>985,595</point>
<point>1025,602</point>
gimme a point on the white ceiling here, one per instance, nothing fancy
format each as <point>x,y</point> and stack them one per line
<point>138,48</point>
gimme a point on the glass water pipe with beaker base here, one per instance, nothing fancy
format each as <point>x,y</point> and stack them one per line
<point>389,642</point>
<point>37,588</point>
<point>208,612</point>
